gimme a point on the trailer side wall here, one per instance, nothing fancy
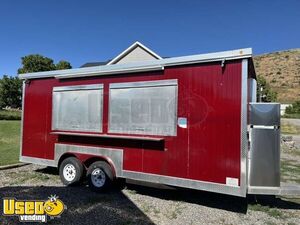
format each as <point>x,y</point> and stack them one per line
<point>209,149</point>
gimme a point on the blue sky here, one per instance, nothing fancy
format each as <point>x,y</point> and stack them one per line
<point>84,31</point>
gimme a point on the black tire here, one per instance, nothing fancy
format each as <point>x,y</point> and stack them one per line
<point>100,176</point>
<point>66,171</point>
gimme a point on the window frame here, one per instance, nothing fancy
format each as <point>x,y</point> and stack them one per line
<point>145,84</point>
<point>99,87</point>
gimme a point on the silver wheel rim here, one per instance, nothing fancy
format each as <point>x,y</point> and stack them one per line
<point>98,177</point>
<point>69,172</point>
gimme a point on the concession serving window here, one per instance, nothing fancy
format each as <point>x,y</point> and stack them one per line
<point>77,108</point>
<point>148,107</point>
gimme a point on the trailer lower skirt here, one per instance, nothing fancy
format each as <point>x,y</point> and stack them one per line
<point>284,189</point>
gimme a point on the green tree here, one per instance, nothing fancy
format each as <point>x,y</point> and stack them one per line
<point>37,63</point>
<point>62,65</point>
<point>293,109</point>
<point>10,92</point>
<point>267,94</point>
<point>11,87</point>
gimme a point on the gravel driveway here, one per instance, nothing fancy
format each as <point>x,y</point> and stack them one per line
<point>296,139</point>
<point>138,204</point>
<point>295,122</point>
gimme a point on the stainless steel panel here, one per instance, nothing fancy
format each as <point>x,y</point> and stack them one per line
<point>265,157</point>
<point>78,87</point>
<point>143,84</point>
<point>267,114</point>
<point>290,189</point>
<point>260,190</point>
<point>114,156</point>
<point>183,182</point>
<point>244,138</point>
<point>38,161</point>
<point>252,91</point>
<point>77,110</point>
<point>111,70</point>
<point>22,117</point>
<point>284,189</point>
<point>143,109</point>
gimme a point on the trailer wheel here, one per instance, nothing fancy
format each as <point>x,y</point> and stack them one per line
<point>100,176</point>
<point>71,171</point>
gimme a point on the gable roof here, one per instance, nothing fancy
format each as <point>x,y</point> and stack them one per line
<point>91,64</point>
<point>130,49</point>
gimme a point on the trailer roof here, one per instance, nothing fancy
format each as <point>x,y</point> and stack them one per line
<point>153,65</point>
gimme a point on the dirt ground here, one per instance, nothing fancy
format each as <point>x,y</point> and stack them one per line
<point>138,204</point>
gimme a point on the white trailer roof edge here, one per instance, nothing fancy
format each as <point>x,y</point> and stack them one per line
<point>151,65</point>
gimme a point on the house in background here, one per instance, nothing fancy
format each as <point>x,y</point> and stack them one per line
<point>134,53</point>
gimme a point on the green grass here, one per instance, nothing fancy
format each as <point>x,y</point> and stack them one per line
<point>290,171</point>
<point>27,176</point>
<point>273,212</point>
<point>292,116</point>
<point>9,142</point>
<point>10,115</point>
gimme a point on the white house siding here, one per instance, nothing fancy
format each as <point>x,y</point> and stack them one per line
<point>137,54</point>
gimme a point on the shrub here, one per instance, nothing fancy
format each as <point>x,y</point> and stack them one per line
<point>293,109</point>
<point>267,94</point>
<point>10,115</point>
<point>273,80</point>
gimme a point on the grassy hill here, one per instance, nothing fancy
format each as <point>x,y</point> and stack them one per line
<point>282,71</point>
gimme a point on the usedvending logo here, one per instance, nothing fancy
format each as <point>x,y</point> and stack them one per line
<point>33,210</point>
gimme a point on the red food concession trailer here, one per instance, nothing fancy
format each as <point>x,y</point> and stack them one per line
<point>187,121</point>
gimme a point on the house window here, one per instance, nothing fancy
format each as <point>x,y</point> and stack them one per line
<point>77,108</point>
<point>143,107</point>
